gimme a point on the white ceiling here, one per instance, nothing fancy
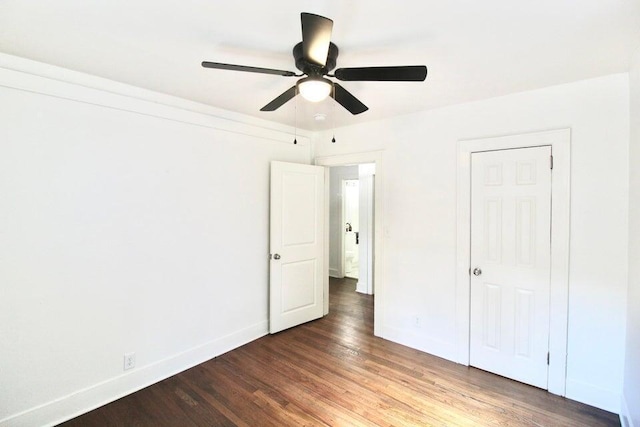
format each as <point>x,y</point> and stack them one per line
<point>473,49</point>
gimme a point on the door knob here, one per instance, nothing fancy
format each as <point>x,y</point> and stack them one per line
<point>276,256</point>
<point>477,271</point>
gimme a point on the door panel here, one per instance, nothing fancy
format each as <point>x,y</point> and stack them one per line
<point>299,218</point>
<point>296,245</point>
<point>298,285</point>
<point>492,316</point>
<point>511,248</point>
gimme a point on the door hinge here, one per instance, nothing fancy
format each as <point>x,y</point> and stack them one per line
<point>551,161</point>
<point>547,358</point>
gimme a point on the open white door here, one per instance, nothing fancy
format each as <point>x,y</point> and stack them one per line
<point>296,245</point>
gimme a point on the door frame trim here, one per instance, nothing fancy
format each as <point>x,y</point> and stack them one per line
<point>560,142</point>
<point>378,273</point>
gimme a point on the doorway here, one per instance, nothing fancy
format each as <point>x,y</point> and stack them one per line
<point>559,141</point>
<point>351,224</point>
<point>377,215</point>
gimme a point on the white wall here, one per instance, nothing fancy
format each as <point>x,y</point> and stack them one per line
<point>420,218</point>
<point>631,391</point>
<point>336,229</point>
<point>123,231</point>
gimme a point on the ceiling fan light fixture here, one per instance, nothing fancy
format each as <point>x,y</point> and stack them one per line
<point>314,89</point>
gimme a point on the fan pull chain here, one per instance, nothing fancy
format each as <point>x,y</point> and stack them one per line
<point>333,116</point>
<point>295,121</point>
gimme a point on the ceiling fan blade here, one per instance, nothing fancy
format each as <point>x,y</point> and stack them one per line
<point>348,101</point>
<point>409,73</point>
<point>232,67</point>
<point>316,36</point>
<point>281,100</point>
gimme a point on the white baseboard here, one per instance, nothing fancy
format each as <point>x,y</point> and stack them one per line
<point>418,341</point>
<point>361,287</point>
<point>581,392</point>
<point>100,394</point>
<point>593,395</point>
<point>625,415</point>
<point>333,272</point>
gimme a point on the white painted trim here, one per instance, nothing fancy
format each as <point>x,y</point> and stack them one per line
<point>378,267</point>
<point>327,238</point>
<point>100,394</point>
<point>602,398</point>
<point>31,76</point>
<point>414,339</point>
<point>560,141</point>
<point>333,272</point>
<point>625,414</point>
<point>365,225</point>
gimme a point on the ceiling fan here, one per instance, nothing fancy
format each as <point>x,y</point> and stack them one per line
<point>315,56</point>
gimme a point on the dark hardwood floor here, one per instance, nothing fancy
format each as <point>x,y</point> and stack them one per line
<point>334,372</point>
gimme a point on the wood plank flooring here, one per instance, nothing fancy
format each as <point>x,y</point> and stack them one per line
<point>334,372</point>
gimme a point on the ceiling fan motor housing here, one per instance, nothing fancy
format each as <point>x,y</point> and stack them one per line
<point>314,69</point>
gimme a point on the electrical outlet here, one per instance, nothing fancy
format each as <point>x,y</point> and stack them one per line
<point>416,321</point>
<point>129,361</point>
